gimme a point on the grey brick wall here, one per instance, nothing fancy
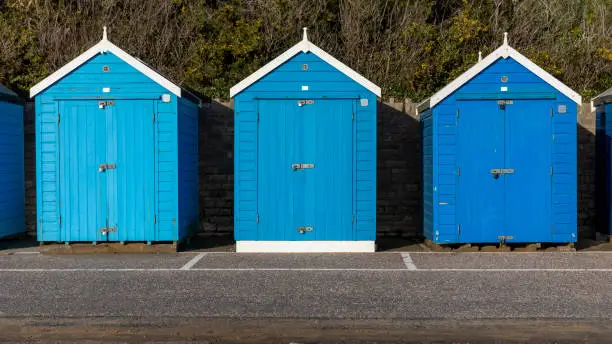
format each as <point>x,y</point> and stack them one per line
<point>399,170</point>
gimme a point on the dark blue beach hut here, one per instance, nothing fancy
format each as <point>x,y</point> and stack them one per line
<point>499,155</point>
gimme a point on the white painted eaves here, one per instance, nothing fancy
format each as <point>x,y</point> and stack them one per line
<point>102,47</point>
<point>603,98</point>
<point>304,46</point>
<point>505,51</point>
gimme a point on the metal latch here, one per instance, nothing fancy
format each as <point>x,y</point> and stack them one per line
<point>496,172</point>
<point>104,167</point>
<point>105,230</point>
<point>502,103</point>
<point>303,230</point>
<point>104,104</point>
<point>305,102</point>
<point>505,237</point>
<point>301,166</point>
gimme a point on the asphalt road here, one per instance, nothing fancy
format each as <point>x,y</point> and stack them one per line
<point>511,296</point>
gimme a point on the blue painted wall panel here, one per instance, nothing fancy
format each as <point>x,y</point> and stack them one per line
<point>556,135</point>
<point>265,129</point>
<point>150,142</point>
<point>12,198</point>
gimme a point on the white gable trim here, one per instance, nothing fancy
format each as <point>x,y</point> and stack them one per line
<point>102,47</point>
<point>304,46</point>
<point>504,51</point>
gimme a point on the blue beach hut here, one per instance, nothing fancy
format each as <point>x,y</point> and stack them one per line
<point>116,152</point>
<point>12,197</point>
<point>305,155</point>
<point>499,155</point>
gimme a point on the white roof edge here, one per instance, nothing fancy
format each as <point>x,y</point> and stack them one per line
<point>503,51</point>
<point>603,97</point>
<point>304,46</point>
<point>102,47</point>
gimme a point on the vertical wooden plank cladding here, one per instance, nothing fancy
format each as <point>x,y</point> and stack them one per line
<point>520,83</point>
<point>245,173</point>
<point>47,160</point>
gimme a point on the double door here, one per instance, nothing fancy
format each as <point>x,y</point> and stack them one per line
<point>107,170</point>
<point>504,171</point>
<point>305,168</point>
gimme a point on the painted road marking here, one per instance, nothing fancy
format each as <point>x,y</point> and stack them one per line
<point>408,261</point>
<point>193,261</point>
<point>301,270</point>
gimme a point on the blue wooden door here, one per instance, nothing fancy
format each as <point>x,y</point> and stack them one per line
<point>528,158</point>
<point>131,186</point>
<point>305,170</point>
<point>481,149</point>
<point>82,148</point>
<point>326,207</point>
<point>275,151</point>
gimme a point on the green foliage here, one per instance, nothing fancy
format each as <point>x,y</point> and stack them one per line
<point>411,48</point>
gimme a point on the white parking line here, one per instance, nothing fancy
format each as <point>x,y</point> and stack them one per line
<point>408,261</point>
<point>193,261</point>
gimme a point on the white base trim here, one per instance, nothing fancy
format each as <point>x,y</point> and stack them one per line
<point>243,246</point>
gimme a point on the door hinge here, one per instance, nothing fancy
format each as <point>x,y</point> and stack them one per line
<point>154,219</point>
<point>154,117</point>
<point>458,171</point>
<point>553,135</point>
<point>353,116</point>
<point>551,112</point>
<point>551,171</point>
<point>58,118</point>
<point>458,229</point>
<point>552,228</point>
<point>60,220</point>
<point>257,116</point>
<point>257,218</point>
<point>457,119</point>
<point>353,218</point>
